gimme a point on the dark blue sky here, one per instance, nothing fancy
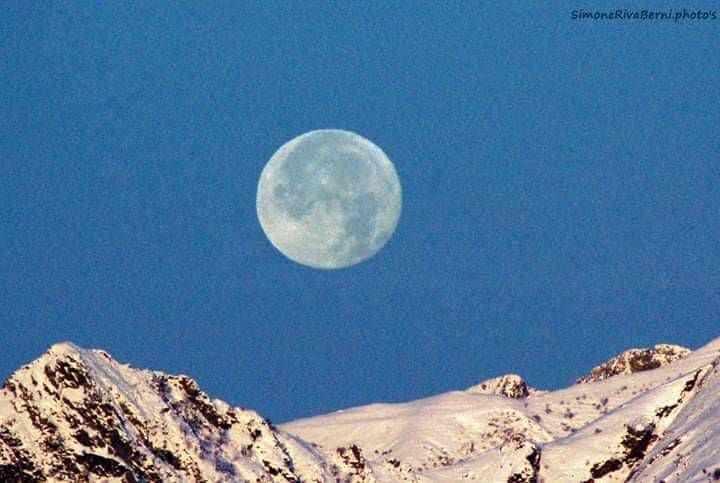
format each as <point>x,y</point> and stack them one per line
<point>561,188</point>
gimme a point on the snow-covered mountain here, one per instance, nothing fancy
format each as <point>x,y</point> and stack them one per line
<point>625,422</point>
<point>648,415</point>
<point>77,415</point>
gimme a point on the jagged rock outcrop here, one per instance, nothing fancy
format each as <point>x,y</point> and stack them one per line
<point>510,385</point>
<point>636,360</point>
<point>77,415</point>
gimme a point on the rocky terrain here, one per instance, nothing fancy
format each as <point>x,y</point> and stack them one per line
<point>510,385</point>
<point>646,415</point>
<point>78,415</point>
<point>636,360</point>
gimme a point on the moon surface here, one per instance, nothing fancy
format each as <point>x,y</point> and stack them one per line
<point>329,199</point>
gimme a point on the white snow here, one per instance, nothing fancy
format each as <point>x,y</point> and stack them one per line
<point>466,435</point>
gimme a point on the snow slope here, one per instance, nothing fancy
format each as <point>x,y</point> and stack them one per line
<point>609,428</point>
<point>646,415</point>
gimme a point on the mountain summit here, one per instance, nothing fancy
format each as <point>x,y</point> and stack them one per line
<point>510,385</point>
<point>636,360</point>
<point>78,415</point>
<point>647,415</point>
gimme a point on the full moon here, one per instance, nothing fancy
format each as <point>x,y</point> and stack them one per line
<point>329,199</point>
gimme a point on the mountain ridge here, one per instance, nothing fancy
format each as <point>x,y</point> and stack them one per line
<point>78,415</point>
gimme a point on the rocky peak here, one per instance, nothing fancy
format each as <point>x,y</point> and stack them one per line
<point>636,360</point>
<point>78,415</point>
<point>509,385</point>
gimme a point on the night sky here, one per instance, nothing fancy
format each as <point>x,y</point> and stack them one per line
<point>561,190</point>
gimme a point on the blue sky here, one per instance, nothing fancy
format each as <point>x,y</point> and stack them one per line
<point>560,181</point>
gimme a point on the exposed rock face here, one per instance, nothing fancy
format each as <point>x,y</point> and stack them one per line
<point>510,385</point>
<point>636,360</point>
<point>528,472</point>
<point>77,415</point>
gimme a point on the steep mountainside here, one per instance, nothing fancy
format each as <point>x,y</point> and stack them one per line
<point>77,415</point>
<point>646,415</point>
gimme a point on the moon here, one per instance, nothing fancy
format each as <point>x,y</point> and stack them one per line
<point>329,199</point>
